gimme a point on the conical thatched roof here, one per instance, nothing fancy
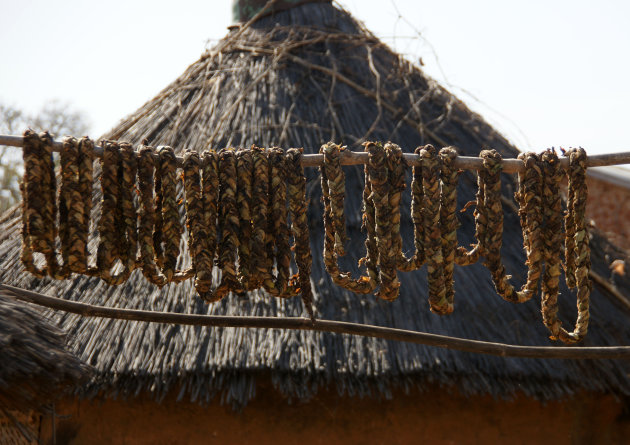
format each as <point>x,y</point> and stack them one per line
<point>301,78</point>
<point>36,368</point>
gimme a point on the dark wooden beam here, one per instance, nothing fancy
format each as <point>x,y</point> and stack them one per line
<point>339,327</point>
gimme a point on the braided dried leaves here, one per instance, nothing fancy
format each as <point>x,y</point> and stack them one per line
<point>243,207</point>
<point>384,184</point>
<point>433,212</point>
<point>237,209</point>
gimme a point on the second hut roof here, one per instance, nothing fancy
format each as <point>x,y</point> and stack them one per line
<point>36,367</point>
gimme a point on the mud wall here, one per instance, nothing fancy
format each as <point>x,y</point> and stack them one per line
<point>436,417</point>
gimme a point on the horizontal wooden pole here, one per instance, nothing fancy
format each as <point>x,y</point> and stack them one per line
<point>305,324</point>
<point>354,158</point>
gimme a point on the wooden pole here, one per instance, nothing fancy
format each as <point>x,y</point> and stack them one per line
<point>353,158</point>
<point>305,324</point>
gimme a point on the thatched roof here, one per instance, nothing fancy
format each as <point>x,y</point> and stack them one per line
<point>301,78</point>
<point>36,368</point>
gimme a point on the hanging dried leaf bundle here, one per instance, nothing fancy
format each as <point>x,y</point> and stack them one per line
<point>237,208</point>
<point>242,208</point>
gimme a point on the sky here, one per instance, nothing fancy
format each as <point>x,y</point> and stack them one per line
<point>544,73</point>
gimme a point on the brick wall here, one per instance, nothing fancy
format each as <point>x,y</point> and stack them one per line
<point>608,205</point>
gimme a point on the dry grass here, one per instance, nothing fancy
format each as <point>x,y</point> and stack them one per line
<point>36,367</point>
<point>301,78</point>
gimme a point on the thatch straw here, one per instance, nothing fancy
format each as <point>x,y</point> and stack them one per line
<point>36,367</point>
<point>304,77</point>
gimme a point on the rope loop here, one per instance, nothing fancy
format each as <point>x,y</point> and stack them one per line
<point>75,204</point>
<point>448,218</point>
<point>491,178</point>
<point>228,226</point>
<point>170,227</point>
<point>70,207</point>
<point>379,175</point>
<point>300,283</point>
<point>108,249</point>
<point>529,198</point>
<point>86,185</point>
<point>397,166</point>
<point>581,251</point>
<point>578,249</point>
<point>552,232</point>
<point>118,222</point>
<point>332,182</point>
<point>197,230</point>
<point>245,171</point>
<point>368,225</point>
<point>39,204</point>
<point>260,206</point>
<point>417,215</point>
<point>465,257</point>
<point>209,197</point>
<point>438,301</point>
<point>127,213</point>
<point>334,177</point>
<point>147,213</point>
<point>278,247</point>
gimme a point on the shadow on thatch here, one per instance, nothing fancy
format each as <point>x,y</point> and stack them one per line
<point>301,78</point>
<point>36,368</point>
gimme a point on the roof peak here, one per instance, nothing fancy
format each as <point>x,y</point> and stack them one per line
<point>245,10</point>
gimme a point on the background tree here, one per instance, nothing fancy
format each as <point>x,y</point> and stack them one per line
<point>57,117</point>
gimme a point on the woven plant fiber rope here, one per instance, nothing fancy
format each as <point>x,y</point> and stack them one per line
<point>39,204</point>
<point>576,250</point>
<point>333,191</point>
<point>245,214</point>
